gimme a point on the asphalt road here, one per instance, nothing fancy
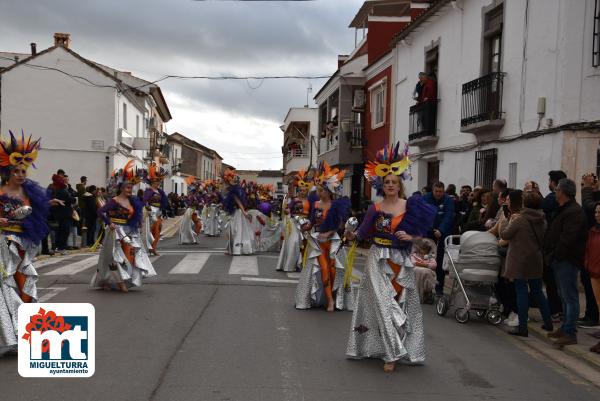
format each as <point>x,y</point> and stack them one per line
<point>213,327</point>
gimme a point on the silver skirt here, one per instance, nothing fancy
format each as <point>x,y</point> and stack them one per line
<point>113,266</point>
<point>240,237</point>
<point>10,263</point>
<point>310,291</point>
<point>187,235</point>
<point>290,257</point>
<point>381,326</point>
<point>267,233</point>
<point>211,220</point>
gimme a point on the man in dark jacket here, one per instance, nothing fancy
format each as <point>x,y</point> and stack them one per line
<point>62,214</point>
<point>549,205</point>
<point>442,227</point>
<point>564,251</point>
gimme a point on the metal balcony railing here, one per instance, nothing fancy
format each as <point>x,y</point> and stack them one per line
<point>300,152</point>
<point>482,99</point>
<point>423,119</point>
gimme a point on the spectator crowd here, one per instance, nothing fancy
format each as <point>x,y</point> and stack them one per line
<point>550,247</point>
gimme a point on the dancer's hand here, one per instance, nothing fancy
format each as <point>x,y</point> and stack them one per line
<point>112,227</point>
<point>4,222</point>
<point>403,236</point>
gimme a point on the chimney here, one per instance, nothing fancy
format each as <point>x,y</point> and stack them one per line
<point>33,49</point>
<point>62,39</point>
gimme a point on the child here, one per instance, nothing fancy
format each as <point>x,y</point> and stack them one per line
<point>424,260</point>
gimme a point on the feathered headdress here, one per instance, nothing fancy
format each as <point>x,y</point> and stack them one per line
<point>18,152</point>
<point>301,180</point>
<point>230,177</point>
<point>265,191</point>
<point>126,175</point>
<point>388,160</point>
<point>330,178</point>
<point>155,173</point>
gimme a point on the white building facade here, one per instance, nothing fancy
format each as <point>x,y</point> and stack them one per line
<point>300,141</point>
<point>518,91</point>
<point>91,121</point>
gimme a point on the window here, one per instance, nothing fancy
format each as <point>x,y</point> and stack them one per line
<point>176,188</point>
<point>512,175</point>
<point>125,115</point>
<point>431,62</point>
<point>596,37</point>
<point>433,172</point>
<point>598,162</point>
<point>137,126</point>
<point>492,45</point>
<point>485,167</point>
<point>378,106</point>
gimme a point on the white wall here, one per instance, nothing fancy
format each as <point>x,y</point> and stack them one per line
<point>557,66</point>
<point>66,114</point>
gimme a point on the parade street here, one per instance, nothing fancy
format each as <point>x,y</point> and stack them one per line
<point>215,327</point>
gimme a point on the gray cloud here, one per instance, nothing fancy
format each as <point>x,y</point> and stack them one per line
<point>152,38</point>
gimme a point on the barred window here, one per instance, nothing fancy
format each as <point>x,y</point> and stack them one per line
<point>486,162</point>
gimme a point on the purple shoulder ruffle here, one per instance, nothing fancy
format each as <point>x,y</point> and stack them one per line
<point>138,207</point>
<point>419,217</point>
<point>337,215</point>
<point>35,225</point>
<point>234,191</point>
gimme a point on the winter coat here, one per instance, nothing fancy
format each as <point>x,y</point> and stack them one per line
<point>525,233</point>
<point>566,237</point>
<point>444,219</point>
<point>592,253</point>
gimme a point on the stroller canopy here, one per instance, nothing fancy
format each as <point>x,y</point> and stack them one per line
<point>479,247</point>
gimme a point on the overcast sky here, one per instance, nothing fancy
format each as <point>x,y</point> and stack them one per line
<point>152,38</point>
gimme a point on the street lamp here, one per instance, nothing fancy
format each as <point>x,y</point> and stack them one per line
<point>161,140</point>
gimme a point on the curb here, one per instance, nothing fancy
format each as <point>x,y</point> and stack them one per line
<point>586,356</point>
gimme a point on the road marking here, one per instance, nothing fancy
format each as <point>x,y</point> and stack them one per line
<point>269,280</point>
<point>190,264</point>
<point>174,252</point>
<point>269,256</point>
<point>293,275</point>
<point>74,268</point>
<point>52,292</point>
<point>244,265</point>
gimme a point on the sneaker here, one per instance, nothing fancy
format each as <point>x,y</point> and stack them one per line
<point>512,320</point>
<point>565,340</point>
<point>586,323</point>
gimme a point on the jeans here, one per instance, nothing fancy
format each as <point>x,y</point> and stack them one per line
<point>566,281</point>
<point>62,233</point>
<point>552,291</point>
<point>535,286</point>
<point>591,307</point>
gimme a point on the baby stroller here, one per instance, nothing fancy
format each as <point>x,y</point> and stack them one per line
<point>473,261</point>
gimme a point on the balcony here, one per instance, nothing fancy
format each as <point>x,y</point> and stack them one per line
<point>482,104</point>
<point>423,119</point>
<point>296,159</point>
<point>342,146</point>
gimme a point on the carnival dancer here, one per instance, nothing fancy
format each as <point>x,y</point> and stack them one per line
<point>123,260</point>
<point>298,207</point>
<point>387,320</point>
<point>190,223</point>
<point>23,215</point>
<point>241,239</point>
<point>156,202</point>
<point>211,214</point>
<point>322,277</point>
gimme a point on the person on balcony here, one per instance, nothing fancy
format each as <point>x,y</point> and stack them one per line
<point>428,91</point>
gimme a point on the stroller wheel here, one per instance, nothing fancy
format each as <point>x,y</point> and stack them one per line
<point>442,306</point>
<point>494,317</point>
<point>480,313</point>
<point>461,315</point>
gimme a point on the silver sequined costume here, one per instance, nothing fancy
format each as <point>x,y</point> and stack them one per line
<point>187,235</point>
<point>381,326</point>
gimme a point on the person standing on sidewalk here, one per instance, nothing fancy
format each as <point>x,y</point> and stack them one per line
<point>442,227</point>
<point>524,259</point>
<point>564,250</point>
<point>592,262</point>
<point>590,195</point>
<point>549,205</point>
